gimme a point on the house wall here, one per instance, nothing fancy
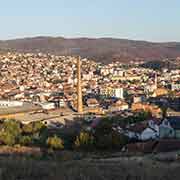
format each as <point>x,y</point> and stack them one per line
<point>148,134</point>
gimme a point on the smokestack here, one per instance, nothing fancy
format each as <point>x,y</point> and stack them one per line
<point>79,87</point>
<point>156,80</point>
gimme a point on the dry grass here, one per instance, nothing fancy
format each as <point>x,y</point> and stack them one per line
<point>26,168</point>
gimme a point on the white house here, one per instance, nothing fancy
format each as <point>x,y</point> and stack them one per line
<point>143,132</point>
<point>149,134</point>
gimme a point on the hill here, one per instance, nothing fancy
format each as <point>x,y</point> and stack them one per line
<point>102,49</point>
<point>135,168</point>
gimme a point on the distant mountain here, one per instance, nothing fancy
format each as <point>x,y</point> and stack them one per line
<point>102,49</point>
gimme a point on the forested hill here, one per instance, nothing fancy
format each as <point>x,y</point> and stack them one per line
<point>102,49</point>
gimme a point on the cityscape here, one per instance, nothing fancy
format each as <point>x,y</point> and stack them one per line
<point>70,103</point>
<point>90,90</point>
<point>55,89</point>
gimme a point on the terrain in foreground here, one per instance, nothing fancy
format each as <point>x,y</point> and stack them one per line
<point>135,168</point>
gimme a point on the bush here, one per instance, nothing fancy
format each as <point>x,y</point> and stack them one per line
<point>27,128</point>
<point>12,127</point>
<point>55,142</point>
<point>10,132</point>
<point>33,127</point>
<point>7,138</point>
<point>37,131</point>
<point>84,141</point>
<point>25,140</point>
<point>38,126</point>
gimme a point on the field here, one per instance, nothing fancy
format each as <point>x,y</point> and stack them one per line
<point>70,166</point>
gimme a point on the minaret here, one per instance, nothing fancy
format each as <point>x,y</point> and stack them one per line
<point>79,88</point>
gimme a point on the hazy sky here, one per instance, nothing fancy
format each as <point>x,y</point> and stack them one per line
<point>154,20</point>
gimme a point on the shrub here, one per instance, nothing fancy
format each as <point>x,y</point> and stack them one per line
<point>27,128</point>
<point>7,138</point>
<point>38,126</point>
<point>12,127</point>
<point>10,132</point>
<point>55,142</point>
<point>84,141</point>
<point>25,140</point>
<point>33,127</point>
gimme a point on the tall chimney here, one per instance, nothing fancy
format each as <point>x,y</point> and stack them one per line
<point>156,80</point>
<point>79,88</point>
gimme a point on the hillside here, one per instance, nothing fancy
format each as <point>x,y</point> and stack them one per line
<point>102,49</point>
<point>137,168</point>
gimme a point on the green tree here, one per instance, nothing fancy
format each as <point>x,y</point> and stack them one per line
<point>38,126</point>
<point>107,138</point>
<point>171,94</point>
<point>27,128</point>
<point>25,140</point>
<point>10,132</point>
<point>12,127</point>
<point>118,140</point>
<point>143,115</point>
<point>7,138</point>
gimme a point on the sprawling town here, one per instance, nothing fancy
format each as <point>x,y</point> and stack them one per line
<point>90,90</point>
<point>140,103</point>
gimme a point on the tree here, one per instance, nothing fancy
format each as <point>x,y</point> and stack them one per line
<point>143,115</point>
<point>27,128</point>
<point>107,138</point>
<point>171,94</point>
<point>126,95</point>
<point>10,132</point>
<point>118,140</point>
<point>38,126</point>
<point>25,140</point>
<point>7,138</point>
<point>12,127</point>
<point>164,111</point>
<point>84,141</point>
<point>55,142</point>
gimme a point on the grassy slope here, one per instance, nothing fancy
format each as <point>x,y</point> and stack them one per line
<point>21,168</point>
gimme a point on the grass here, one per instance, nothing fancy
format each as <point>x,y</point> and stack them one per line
<point>66,166</point>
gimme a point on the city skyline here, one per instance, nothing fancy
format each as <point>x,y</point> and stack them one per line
<point>150,21</point>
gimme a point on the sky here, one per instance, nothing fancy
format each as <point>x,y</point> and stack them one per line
<point>151,20</point>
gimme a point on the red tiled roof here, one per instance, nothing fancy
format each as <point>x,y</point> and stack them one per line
<point>145,147</point>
